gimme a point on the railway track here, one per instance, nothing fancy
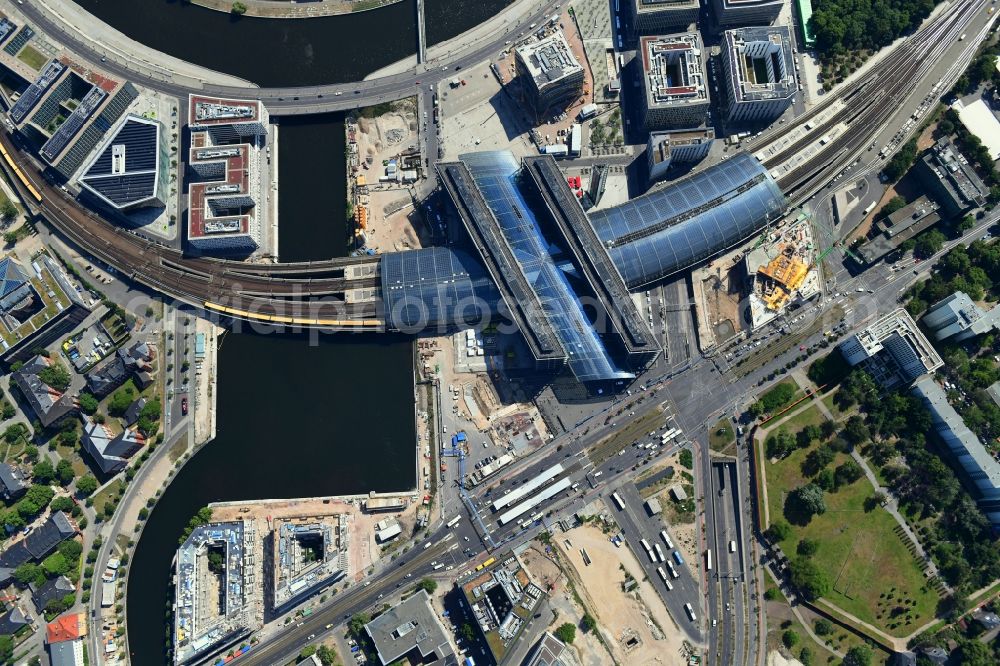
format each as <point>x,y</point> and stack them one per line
<point>309,294</point>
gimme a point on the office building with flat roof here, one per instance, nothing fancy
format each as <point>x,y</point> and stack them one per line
<point>958,317</point>
<point>664,149</point>
<point>547,652</point>
<point>899,227</point>
<point>411,629</point>
<point>950,179</point>
<point>892,349</point>
<point>66,111</point>
<point>225,164</point>
<point>675,84</point>
<point>307,555</point>
<point>549,72</point>
<point>660,16</point>
<point>980,467</point>
<point>207,623</point>
<point>759,73</point>
<point>731,13</point>
<point>130,169</point>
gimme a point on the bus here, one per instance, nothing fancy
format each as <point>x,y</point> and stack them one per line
<point>659,553</point>
<point>663,574</point>
<point>645,544</point>
<point>690,612</point>
<point>666,539</point>
<point>708,559</point>
<point>453,521</point>
<point>677,557</point>
<point>618,501</point>
<point>869,208</point>
<point>673,571</point>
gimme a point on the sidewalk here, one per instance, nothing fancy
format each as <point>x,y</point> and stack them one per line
<point>294,10</point>
<point>126,52</point>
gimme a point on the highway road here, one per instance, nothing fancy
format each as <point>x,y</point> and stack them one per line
<point>302,100</point>
<point>285,642</point>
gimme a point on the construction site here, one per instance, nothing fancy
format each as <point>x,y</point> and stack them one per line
<point>751,285</point>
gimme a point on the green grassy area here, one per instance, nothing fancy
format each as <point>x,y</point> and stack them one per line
<point>11,452</point>
<point>831,404</point>
<point>874,575</point>
<point>177,449</point>
<point>110,492</point>
<point>722,438</point>
<point>808,415</point>
<point>32,58</point>
<point>73,456</point>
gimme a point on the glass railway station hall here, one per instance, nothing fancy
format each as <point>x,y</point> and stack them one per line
<point>541,262</point>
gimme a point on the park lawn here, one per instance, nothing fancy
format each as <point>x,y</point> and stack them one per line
<point>859,550</point>
<point>73,456</point>
<point>810,415</point>
<point>721,438</point>
<point>831,404</point>
<point>111,491</point>
<point>32,58</point>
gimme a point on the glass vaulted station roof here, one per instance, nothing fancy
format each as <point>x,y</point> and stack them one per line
<point>496,175</point>
<point>435,288</point>
<point>674,227</point>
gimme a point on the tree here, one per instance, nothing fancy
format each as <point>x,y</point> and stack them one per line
<point>7,210</point>
<point>43,472</point>
<point>239,9</point>
<point>806,656</point>
<point>86,485</point>
<point>855,431</point>
<point>780,444</point>
<point>818,459</point>
<point>467,632</point>
<point>71,549</point>
<point>427,585</point>
<point>892,206</point>
<point>847,473</point>
<point>965,224</point>
<point>64,472</point>
<point>62,504</point>
<point>946,126</point>
<point>807,547</point>
<point>55,376</point>
<point>859,655</point>
<point>216,562</point>
<point>974,653</point>
<point>790,638</point>
<point>88,403</point>
<point>823,627</point>
<point>779,530</point>
<point>358,622</point>
<point>120,401</point>
<point>808,500</point>
<point>326,655</point>
<point>686,458</point>
<point>6,648</point>
<point>26,573</point>
<point>307,652</point>
<point>929,243</point>
<point>809,579</point>
<point>566,632</point>
<point>588,623</point>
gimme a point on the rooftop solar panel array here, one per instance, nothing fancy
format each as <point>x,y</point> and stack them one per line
<point>19,40</point>
<point>6,28</point>
<point>495,174</point>
<point>62,136</point>
<point>95,131</point>
<point>29,98</point>
<point>435,287</point>
<point>125,168</point>
<point>688,221</point>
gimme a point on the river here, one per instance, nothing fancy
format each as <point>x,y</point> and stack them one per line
<point>294,419</point>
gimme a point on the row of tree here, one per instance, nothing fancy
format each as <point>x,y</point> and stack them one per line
<point>853,25</point>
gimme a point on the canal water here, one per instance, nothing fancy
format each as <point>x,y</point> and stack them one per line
<point>295,418</point>
<point>277,52</point>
